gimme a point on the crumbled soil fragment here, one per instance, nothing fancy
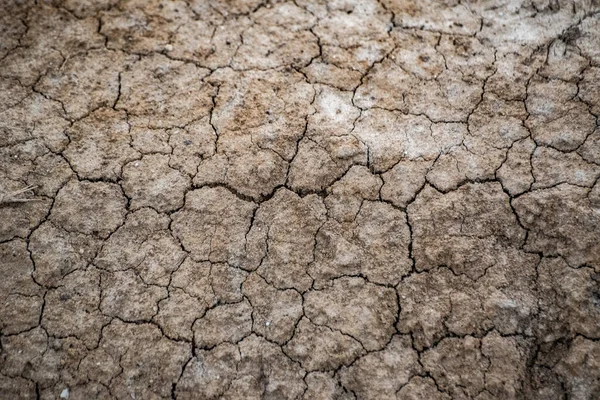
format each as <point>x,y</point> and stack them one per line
<point>125,295</point>
<point>152,253</point>
<point>275,313</point>
<point>99,145</point>
<point>72,308</point>
<point>98,68</point>
<point>224,323</point>
<point>300,199</point>
<point>90,208</point>
<point>57,252</point>
<point>381,374</point>
<point>357,308</point>
<point>144,362</point>
<point>287,224</point>
<point>21,296</point>
<point>213,224</point>
<point>151,182</point>
<point>319,348</point>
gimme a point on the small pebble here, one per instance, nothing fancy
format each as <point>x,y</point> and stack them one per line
<point>169,47</point>
<point>268,323</point>
<point>137,164</point>
<point>187,142</point>
<point>64,394</point>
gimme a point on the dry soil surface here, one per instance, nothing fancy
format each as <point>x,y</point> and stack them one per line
<point>309,199</point>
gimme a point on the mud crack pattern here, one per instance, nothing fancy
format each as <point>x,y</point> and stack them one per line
<point>309,199</point>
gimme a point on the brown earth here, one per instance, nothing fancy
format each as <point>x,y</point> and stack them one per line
<point>348,199</point>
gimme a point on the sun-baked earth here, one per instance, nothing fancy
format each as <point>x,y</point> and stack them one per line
<point>308,199</point>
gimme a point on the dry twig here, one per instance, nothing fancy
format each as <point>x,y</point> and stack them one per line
<point>11,197</point>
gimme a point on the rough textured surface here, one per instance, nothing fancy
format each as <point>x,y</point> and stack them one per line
<point>306,199</point>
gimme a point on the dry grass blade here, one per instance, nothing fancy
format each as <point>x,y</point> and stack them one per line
<point>11,197</point>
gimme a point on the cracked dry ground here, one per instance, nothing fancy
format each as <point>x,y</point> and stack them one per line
<point>353,199</point>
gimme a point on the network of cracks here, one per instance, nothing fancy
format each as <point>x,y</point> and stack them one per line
<point>304,199</point>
